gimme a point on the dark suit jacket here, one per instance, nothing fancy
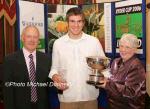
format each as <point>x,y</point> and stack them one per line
<point>17,96</point>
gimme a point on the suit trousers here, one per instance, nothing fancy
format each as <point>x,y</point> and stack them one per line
<point>33,105</point>
<point>79,105</point>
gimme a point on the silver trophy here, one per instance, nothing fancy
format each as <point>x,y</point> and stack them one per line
<point>97,65</point>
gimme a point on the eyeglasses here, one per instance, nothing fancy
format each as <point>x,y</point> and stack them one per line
<point>125,47</point>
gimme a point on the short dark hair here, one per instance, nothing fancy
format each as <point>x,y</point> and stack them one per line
<point>75,11</point>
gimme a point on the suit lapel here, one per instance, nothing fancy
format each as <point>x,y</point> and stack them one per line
<point>22,63</point>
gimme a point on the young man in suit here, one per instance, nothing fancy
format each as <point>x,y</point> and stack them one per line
<point>26,74</point>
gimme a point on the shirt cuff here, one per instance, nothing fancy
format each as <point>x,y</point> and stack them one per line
<point>52,72</point>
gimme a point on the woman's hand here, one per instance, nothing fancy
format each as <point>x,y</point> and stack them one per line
<point>104,81</point>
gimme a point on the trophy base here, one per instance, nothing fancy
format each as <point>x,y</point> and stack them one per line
<point>94,83</point>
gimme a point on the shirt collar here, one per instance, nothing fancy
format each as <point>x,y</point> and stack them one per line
<point>27,53</point>
<point>67,38</point>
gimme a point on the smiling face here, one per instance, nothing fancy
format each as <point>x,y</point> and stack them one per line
<point>76,19</point>
<point>75,26</point>
<point>126,50</point>
<point>30,38</point>
<point>128,45</point>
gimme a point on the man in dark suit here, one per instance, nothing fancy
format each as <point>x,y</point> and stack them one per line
<point>26,74</point>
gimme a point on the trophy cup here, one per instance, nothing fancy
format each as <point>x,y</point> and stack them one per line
<point>97,65</point>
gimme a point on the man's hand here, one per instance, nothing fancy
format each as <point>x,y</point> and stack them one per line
<point>59,82</point>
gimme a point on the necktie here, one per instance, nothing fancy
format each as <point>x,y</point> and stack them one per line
<point>32,79</point>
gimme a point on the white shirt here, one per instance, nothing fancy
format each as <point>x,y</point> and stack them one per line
<point>26,54</point>
<point>71,55</point>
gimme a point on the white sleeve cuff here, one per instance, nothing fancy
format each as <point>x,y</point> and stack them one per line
<point>52,72</point>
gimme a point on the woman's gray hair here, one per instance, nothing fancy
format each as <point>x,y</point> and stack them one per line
<point>131,39</point>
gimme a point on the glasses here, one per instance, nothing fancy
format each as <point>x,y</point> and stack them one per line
<point>125,47</point>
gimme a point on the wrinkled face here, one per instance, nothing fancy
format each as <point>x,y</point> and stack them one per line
<point>126,50</point>
<point>75,24</point>
<point>30,39</point>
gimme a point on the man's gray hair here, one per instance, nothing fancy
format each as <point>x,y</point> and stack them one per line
<point>29,26</point>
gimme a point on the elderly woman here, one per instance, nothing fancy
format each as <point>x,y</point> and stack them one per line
<point>126,86</point>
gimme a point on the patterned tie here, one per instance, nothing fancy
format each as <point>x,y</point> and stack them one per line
<point>32,79</point>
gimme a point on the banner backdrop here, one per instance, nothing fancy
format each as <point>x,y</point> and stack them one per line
<point>31,13</point>
<point>74,2</point>
<point>94,22</point>
<point>128,18</point>
<point>108,27</point>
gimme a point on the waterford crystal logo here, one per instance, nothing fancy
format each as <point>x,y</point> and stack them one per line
<point>32,22</point>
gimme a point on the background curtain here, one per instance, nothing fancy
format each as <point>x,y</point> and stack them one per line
<point>7,27</point>
<point>1,40</point>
